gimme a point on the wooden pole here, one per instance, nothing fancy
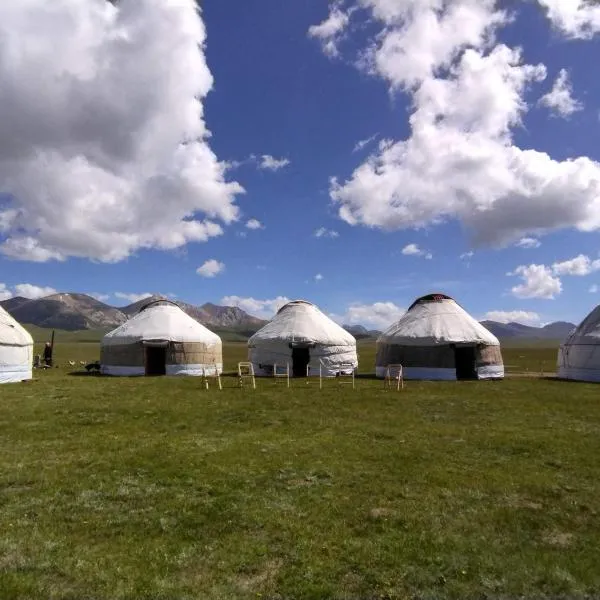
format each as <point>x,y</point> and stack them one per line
<point>52,341</point>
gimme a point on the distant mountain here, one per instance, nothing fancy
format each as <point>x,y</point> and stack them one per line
<point>74,312</point>
<point>360,332</point>
<point>553,331</point>
<point>65,311</point>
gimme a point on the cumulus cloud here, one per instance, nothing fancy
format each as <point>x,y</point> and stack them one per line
<point>559,100</point>
<point>331,31</point>
<point>575,18</point>
<point>513,316</point>
<point>131,298</point>
<point>5,293</point>
<point>538,282</point>
<point>460,161</point>
<point>323,232</point>
<point>263,309</point>
<point>113,155</point>
<point>210,268</point>
<point>414,250</point>
<point>467,255</point>
<point>33,292</point>
<point>254,224</point>
<point>270,163</point>
<point>528,242</point>
<point>318,277</point>
<point>379,315</point>
<point>580,265</point>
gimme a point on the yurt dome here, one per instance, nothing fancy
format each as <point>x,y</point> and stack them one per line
<point>161,339</point>
<point>437,339</point>
<point>16,350</point>
<point>579,354</point>
<point>303,337</point>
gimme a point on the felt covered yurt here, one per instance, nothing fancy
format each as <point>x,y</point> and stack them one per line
<point>437,339</point>
<point>301,336</point>
<point>161,339</point>
<point>579,354</point>
<point>16,350</point>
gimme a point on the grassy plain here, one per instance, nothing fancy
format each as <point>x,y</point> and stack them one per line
<point>158,489</point>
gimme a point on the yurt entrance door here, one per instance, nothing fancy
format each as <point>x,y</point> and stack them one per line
<point>465,359</point>
<point>156,359</point>
<point>300,360</point>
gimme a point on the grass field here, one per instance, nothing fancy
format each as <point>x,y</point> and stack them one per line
<point>156,488</point>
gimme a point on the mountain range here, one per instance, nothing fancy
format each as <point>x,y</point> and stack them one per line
<point>75,312</point>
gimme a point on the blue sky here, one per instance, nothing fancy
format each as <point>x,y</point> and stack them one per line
<point>100,197</point>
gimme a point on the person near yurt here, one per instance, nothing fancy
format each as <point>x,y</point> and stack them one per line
<point>16,350</point>
<point>161,339</point>
<point>437,339</point>
<point>579,354</point>
<point>301,336</point>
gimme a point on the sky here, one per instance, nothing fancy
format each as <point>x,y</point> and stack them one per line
<point>357,154</point>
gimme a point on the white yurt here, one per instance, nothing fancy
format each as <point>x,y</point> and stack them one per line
<point>303,337</point>
<point>437,339</point>
<point>161,339</point>
<point>579,354</point>
<point>16,350</point>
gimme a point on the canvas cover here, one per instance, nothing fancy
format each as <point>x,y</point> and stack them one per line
<point>16,350</point>
<point>191,348</point>
<point>579,354</point>
<point>301,322</point>
<point>426,336</point>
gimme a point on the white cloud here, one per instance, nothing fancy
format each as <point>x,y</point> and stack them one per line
<point>460,161</point>
<point>331,31</point>
<point>5,293</point>
<point>559,100</point>
<point>132,298</point>
<point>210,268</point>
<point>27,290</point>
<point>528,242</point>
<point>100,297</point>
<point>379,315</point>
<point>414,250</point>
<point>575,18</point>
<point>580,265</point>
<point>594,289</point>
<point>263,309</point>
<point>513,316</point>
<point>254,224</point>
<point>118,132</point>
<point>323,232</point>
<point>467,255</point>
<point>538,282</point>
<point>271,163</point>
<point>318,277</point>
<point>362,143</point>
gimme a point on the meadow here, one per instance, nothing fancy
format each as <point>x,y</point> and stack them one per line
<point>157,488</point>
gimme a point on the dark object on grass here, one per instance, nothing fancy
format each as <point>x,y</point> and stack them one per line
<point>93,367</point>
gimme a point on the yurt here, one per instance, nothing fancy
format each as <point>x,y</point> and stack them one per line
<point>303,337</point>
<point>579,354</point>
<point>437,339</point>
<point>161,339</point>
<point>16,350</point>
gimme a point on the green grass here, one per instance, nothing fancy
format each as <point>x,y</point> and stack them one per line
<point>156,488</point>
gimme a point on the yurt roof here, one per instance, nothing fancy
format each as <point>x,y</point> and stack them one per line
<point>12,333</point>
<point>302,321</point>
<point>588,331</point>
<point>161,320</point>
<point>437,319</point>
